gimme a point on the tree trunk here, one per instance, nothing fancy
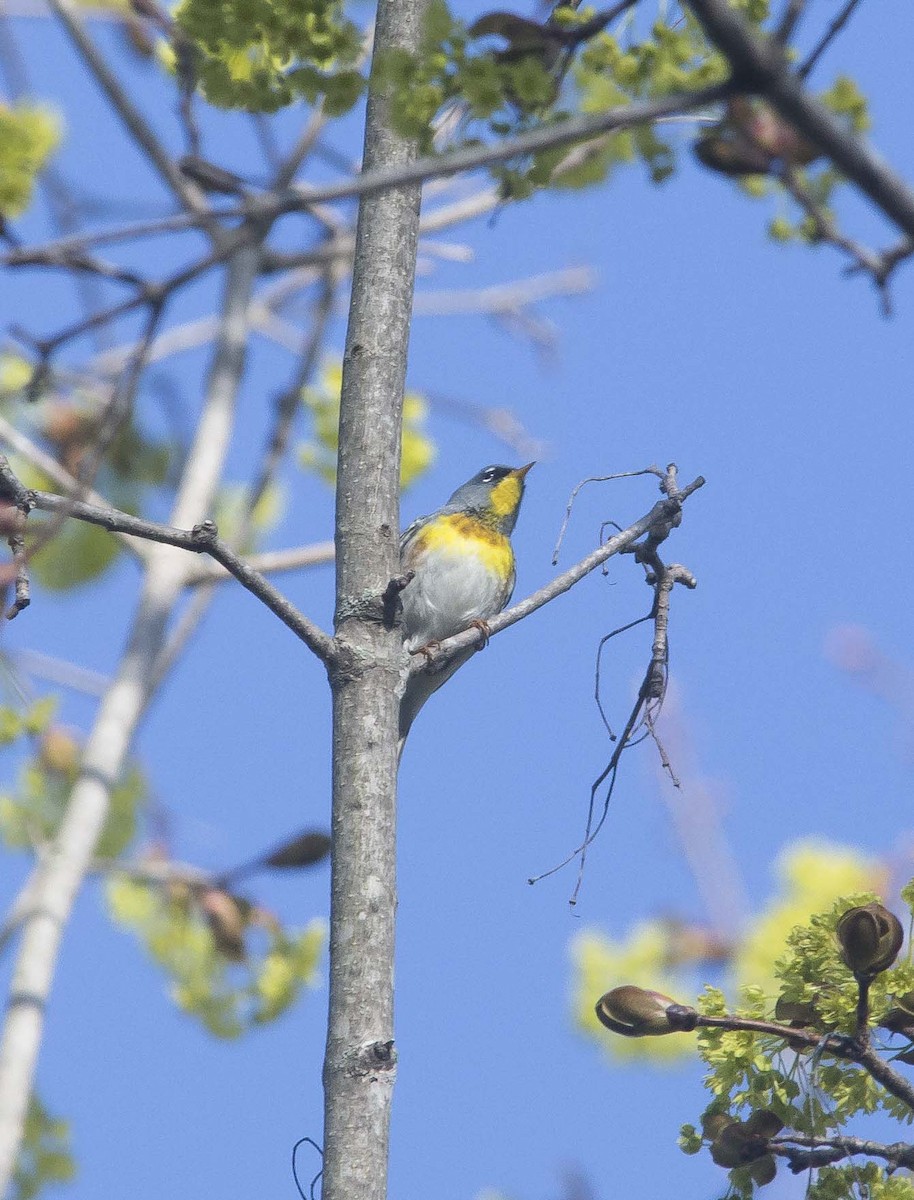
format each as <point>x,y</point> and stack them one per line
<point>360,1061</point>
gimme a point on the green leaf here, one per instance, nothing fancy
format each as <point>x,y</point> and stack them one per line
<point>263,54</point>
<point>121,824</point>
<point>689,1140</point>
<point>845,98</point>
<point>12,725</point>
<point>78,554</point>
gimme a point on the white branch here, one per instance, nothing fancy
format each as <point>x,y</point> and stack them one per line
<point>70,858</point>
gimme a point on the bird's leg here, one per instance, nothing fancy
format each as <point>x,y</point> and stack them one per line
<point>429,650</point>
<point>484,632</point>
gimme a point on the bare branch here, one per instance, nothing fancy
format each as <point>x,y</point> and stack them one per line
<point>507,298</point>
<point>880,265</point>
<point>122,232</point>
<point>501,423</point>
<point>371,182</point>
<point>269,562</point>
<point>201,539</point>
<point>141,132</point>
<point>803,1153</point>
<point>759,66</point>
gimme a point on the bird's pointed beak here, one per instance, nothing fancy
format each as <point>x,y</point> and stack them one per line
<point>521,472</point>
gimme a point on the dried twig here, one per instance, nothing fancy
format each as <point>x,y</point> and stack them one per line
<point>662,578</point>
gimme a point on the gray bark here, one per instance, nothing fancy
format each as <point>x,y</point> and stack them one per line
<point>360,1060</point>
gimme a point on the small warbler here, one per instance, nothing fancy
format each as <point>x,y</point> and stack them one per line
<point>462,566</point>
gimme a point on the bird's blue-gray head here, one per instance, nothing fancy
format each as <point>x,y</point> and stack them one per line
<point>494,495</point>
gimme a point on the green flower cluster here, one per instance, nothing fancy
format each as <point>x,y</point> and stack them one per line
<point>812,1092</point>
<point>264,54</point>
<point>31,811</point>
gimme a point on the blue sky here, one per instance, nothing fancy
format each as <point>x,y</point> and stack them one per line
<point>759,367</point>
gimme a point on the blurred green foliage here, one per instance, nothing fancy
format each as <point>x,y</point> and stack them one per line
<point>44,1157</point>
<point>231,965</point>
<point>506,73</point>
<point>68,429</point>
<point>322,401</point>
<point>668,958</point>
<point>29,134</point>
<point>31,812</point>
<point>264,54</point>
<point>241,528</point>
<point>785,966</point>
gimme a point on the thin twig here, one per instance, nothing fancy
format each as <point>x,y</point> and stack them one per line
<point>594,479</point>
<point>827,38</point>
<point>202,539</point>
<point>22,597</point>
<point>653,686</point>
<point>759,66</point>
<point>142,133</point>
<point>789,21</point>
<point>879,265</point>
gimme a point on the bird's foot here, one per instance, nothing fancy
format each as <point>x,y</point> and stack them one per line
<point>484,632</point>
<point>429,650</point>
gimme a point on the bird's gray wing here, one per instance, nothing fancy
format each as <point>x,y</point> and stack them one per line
<point>509,588</point>
<point>408,536</point>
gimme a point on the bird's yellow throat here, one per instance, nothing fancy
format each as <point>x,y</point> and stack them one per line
<point>458,532</point>
<point>506,495</point>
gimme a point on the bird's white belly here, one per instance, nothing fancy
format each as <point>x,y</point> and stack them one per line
<point>448,593</point>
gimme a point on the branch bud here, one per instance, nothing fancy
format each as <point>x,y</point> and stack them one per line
<point>869,937</point>
<point>738,1143</point>
<point>635,1012</point>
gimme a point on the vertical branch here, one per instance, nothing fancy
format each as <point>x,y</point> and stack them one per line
<point>60,876</point>
<point>359,1062</point>
<point>862,1030</point>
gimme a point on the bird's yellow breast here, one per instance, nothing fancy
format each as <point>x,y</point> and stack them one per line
<point>461,534</point>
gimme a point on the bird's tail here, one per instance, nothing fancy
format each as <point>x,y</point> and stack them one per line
<point>418,689</point>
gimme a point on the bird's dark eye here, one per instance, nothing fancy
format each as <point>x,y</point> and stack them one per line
<point>489,475</point>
